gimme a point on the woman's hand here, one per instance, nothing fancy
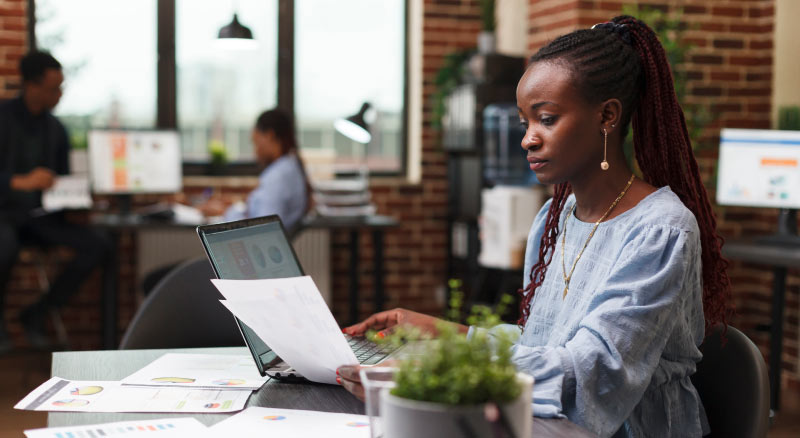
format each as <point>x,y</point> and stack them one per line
<point>213,207</point>
<point>386,321</point>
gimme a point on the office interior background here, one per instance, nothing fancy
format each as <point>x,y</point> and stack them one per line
<point>742,68</point>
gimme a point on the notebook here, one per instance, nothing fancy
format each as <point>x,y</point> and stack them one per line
<point>258,248</point>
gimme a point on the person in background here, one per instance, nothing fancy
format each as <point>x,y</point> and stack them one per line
<point>283,186</point>
<point>623,274</point>
<point>34,148</point>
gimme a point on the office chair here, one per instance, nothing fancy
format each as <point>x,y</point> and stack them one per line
<point>183,311</point>
<point>733,385</point>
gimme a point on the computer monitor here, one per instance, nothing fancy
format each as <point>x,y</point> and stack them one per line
<point>761,168</point>
<point>127,162</point>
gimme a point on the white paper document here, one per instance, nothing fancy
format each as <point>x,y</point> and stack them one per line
<point>68,192</point>
<point>210,371</point>
<point>163,428</point>
<point>291,423</point>
<point>59,394</point>
<point>290,315</point>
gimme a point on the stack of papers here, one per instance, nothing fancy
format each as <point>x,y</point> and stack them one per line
<point>189,383</point>
<point>290,315</point>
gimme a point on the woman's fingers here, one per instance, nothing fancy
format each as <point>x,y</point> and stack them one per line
<point>378,321</point>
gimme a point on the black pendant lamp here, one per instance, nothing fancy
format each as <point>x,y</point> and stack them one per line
<point>236,36</point>
<point>234,29</point>
<point>355,127</point>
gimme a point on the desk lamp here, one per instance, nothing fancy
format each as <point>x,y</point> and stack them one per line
<point>355,127</point>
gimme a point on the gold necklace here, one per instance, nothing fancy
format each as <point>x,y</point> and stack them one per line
<point>567,278</point>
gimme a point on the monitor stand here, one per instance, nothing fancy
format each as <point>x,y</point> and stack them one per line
<point>124,214</point>
<point>787,231</point>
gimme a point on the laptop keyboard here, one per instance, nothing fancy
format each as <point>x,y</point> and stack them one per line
<point>368,352</point>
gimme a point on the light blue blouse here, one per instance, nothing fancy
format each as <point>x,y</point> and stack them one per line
<point>616,354</point>
<point>281,190</point>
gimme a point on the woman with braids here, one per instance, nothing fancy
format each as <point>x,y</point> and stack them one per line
<point>622,274</point>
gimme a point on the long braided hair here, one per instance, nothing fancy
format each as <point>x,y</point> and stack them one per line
<point>623,59</point>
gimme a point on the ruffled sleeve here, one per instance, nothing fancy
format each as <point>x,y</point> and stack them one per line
<point>605,368</point>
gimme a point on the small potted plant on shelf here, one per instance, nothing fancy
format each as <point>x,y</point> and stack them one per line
<point>457,386</point>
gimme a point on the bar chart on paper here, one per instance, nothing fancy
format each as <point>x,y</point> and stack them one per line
<point>168,427</point>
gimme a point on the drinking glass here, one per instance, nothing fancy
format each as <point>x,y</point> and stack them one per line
<point>375,380</point>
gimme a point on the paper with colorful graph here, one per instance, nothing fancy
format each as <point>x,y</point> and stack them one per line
<point>291,423</point>
<point>210,371</point>
<point>162,428</point>
<point>59,394</point>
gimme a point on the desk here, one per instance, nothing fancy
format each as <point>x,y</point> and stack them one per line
<point>780,258</point>
<point>115,365</point>
<point>377,225</point>
<point>116,224</point>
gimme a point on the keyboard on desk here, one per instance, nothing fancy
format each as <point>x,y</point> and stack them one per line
<point>368,352</point>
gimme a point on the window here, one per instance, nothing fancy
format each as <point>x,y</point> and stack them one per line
<point>348,52</point>
<point>220,90</point>
<point>108,52</point>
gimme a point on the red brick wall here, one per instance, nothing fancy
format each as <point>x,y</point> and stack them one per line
<point>730,73</point>
<point>13,44</point>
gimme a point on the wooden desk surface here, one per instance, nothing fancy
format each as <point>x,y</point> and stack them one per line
<point>118,364</point>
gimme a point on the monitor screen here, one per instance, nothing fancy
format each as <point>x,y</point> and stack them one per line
<point>257,251</point>
<point>759,168</point>
<point>134,161</point>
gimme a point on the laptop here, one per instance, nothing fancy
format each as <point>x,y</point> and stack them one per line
<point>258,248</point>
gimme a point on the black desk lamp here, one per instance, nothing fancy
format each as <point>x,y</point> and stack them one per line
<point>355,127</point>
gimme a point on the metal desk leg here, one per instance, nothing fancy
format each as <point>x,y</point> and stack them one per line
<point>377,248</point>
<point>353,276</point>
<point>109,295</point>
<point>776,337</point>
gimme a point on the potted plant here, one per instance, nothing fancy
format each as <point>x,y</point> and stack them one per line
<point>457,386</point>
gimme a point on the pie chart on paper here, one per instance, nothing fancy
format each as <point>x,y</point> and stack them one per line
<point>86,390</point>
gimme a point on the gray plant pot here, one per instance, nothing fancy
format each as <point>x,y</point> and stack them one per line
<point>403,418</point>
<point>487,42</point>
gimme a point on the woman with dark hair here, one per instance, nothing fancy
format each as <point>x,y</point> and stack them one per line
<point>623,273</point>
<point>283,187</point>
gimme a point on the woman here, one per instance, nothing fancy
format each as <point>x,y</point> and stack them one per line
<point>283,187</point>
<point>623,273</point>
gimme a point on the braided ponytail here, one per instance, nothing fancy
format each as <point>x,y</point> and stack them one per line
<point>623,59</point>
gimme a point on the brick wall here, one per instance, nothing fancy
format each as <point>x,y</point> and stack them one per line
<point>730,73</point>
<point>13,44</point>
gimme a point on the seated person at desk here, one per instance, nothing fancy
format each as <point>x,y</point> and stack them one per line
<point>34,148</point>
<point>622,274</point>
<point>283,187</point>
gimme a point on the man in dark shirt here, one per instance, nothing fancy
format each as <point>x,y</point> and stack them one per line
<point>34,148</point>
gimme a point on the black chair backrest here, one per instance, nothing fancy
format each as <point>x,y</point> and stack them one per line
<point>733,385</point>
<point>183,311</point>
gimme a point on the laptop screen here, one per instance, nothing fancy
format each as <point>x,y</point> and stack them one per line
<point>254,252</point>
<point>249,249</point>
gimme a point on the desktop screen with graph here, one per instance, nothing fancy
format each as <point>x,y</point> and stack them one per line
<point>759,168</point>
<point>128,161</point>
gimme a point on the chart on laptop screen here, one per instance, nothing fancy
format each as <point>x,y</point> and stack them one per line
<point>253,253</point>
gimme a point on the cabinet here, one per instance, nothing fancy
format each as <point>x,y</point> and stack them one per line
<point>477,140</point>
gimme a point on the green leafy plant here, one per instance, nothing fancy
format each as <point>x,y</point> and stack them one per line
<point>789,118</point>
<point>455,370</point>
<point>488,22</point>
<point>448,77</point>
